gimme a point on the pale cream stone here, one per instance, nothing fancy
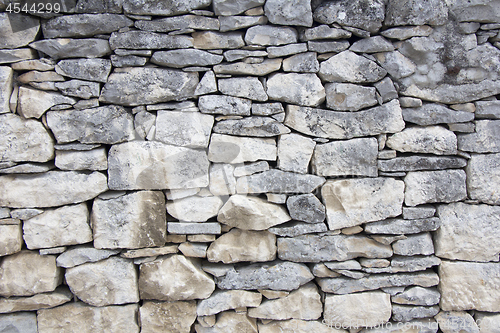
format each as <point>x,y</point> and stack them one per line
<point>159,317</point>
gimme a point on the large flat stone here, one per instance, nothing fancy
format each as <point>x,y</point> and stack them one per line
<point>209,40</point>
<point>295,326</point>
<point>421,162</point>
<point>226,105</point>
<point>156,317</point>
<point>136,39</point>
<point>434,186</point>
<point>400,13</point>
<point>84,25</point>
<point>185,129</point>
<point>36,302</point>
<point>265,35</point>
<point>483,140</point>
<point>296,12</point>
<point>155,7</point>
<point>230,7</point>
<point>194,208</point>
<point>172,23</point>
<point>251,126</point>
<point>19,322</point>
<point>430,140</point>
<point>95,159</point>
<point>433,114</point>
<point>306,207</point>
<point>453,94</point>
<point>11,238</point>
<point>475,11</point>
<point>85,69</point>
<point>277,181</point>
<point>241,68</point>
<point>222,300</point>
<point>349,97</point>
<point>17,30</point>
<point>232,149</point>
<point>82,254</point>
<point>347,66</point>
<point>229,322</point>
<point>245,87</point>
<point>296,88</point>
<point>6,80</point>
<point>483,178</point>
<point>403,226</point>
<point>33,103</point>
<point>59,48</point>
<point>295,152</point>
<point>185,57</point>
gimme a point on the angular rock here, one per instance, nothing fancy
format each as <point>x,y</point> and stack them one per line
<point>127,87</point>
<point>251,126</point>
<point>430,140</point>
<point>251,213</point>
<point>19,322</point>
<point>185,129</point>
<point>251,168</point>
<point>469,285</point>
<point>484,140</point>
<point>397,65</point>
<point>265,35</point>
<point>83,254</point>
<point>294,152</point>
<point>11,239</point>
<point>85,69</point>
<point>222,300</point>
<point>293,229</point>
<point>295,88</point>
<point>302,63</point>
<point>128,61</point>
<point>417,296</point>
<point>17,30</point>
<point>375,199</point>
<point>230,321</point>
<point>349,97</point>
<point>163,316</point>
<point>275,275</point>
<point>194,208</point>
<point>6,80</point>
<point>420,244</point>
<point>144,40</point>
<point>24,140</point>
<point>452,320</point>
<point>317,248</point>
<point>83,318</point>
<point>434,186</point>
<point>421,162</point>
<point>399,13</point>
<point>241,245</point>
<point>226,105</point>
<point>366,14</point>
<point>306,207</point>
<point>230,149</point>
<point>245,87</point>
<point>233,55</point>
<point>386,90</point>
<point>324,32</point>
<point>342,125</point>
<point>27,273</point>
<point>242,68</point>
<point>487,321</point>
<point>134,220</point>
<point>39,301</point>
<point>33,103</point>
<point>106,124</point>
<point>420,212</point>
<point>403,33</point>
<point>207,85</point>
<point>361,309</point>
<point>154,165</point>
<point>406,313</point>
<point>406,264</point>
<point>483,178</point>
<point>207,228</point>
<point>174,278</point>
<point>347,66</point>
<point>222,179</point>
<point>328,47</point>
<point>433,114</point>
<point>468,232</point>
<point>154,7</point>
<point>16,55</point>
<point>403,226</point>
<point>372,45</point>
<point>79,88</point>
<point>149,252</point>
<point>230,23</point>
<point>50,189</point>
<point>296,326</point>
<point>347,157</point>
<point>59,48</point>
<point>229,7</point>
<point>296,12</point>
<point>277,181</point>
<point>181,23</point>
<point>487,109</point>
<point>84,25</point>
<point>185,57</point>
<point>95,159</point>
<point>209,40</point>
<point>289,49</point>
<point>107,282</point>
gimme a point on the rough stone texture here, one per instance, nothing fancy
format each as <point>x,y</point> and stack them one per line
<point>227,7</point>
<point>382,198</point>
<point>404,313</point>
<point>79,88</point>
<point>251,126</point>
<point>160,8</point>
<point>306,207</point>
<point>245,87</point>
<point>185,57</point>
<point>413,13</point>
<point>295,88</point>
<point>349,97</point>
<point>270,35</point>
<point>432,114</point>
<point>277,181</point>
<point>241,68</point>
<point>292,229</point>
<point>83,254</point>
<point>403,226</point>
<point>421,162</point>
<point>226,105</point>
<point>296,326</point>
<point>95,159</point>
<point>487,109</point>
<point>6,80</point>
<point>39,301</point>
<point>194,209</point>
<point>72,48</point>
<point>33,103</point>
<point>483,178</point>
<point>420,244</point>
<point>162,316</point>
<point>430,140</point>
<point>230,321</point>
<point>17,30</point>
<point>296,12</point>
<point>301,63</point>
<point>294,152</point>
<point>483,140</point>
<point>417,296</point>
<point>453,320</point>
<point>85,69</point>
<point>208,40</point>
<point>185,129</point>
<point>84,25</point>
<point>434,186</point>
<point>19,322</point>
<point>222,300</point>
<point>148,40</point>
<point>347,66</point>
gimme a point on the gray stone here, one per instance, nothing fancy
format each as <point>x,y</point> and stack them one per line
<point>194,208</point>
<point>39,301</point>
<point>27,273</point>
<point>72,48</point>
<point>128,61</point>
<point>158,317</point>
<point>420,244</point>
<point>375,199</point>
<point>29,168</point>
<point>488,109</point>
<point>397,65</point>
<point>242,68</point>
<point>417,296</point>
<point>226,105</point>
<point>407,264</point>
<point>250,169</point>
<point>133,221</point>
<point>84,25</point>
<point>484,140</point>
<point>475,11</point>
<point>270,35</point>
<point>469,286</point>
<point>293,229</point>
<point>11,239</point>
<point>228,7</point>
<point>386,90</point>
<point>6,80</point>
<point>181,23</point>
<point>411,13</point>
<point>106,124</point>
<point>231,149</point>
<point>349,97</point>
<point>209,40</point>
<point>324,32</point>
<point>24,140</point>
<point>85,69</point>
<point>53,188</point>
<point>306,208</point>
<point>419,212</point>
<point>487,321</point>
<point>406,313</point>
<point>434,186</point>
<point>454,320</point>
<point>483,178</point>
<point>82,254</point>
<point>277,181</point>
<point>347,66</point>
<point>343,285</point>
<point>317,248</point>
<point>302,63</point>
<point>10,56</point>
<point>431,140</point>
<point>208,228</point>
<point>33,103</point>
<point>372,45</point>
<point>245,87</point>
<point>294,152</point>
<point>76,146</point>
<point>275,275</point>
<point>251,126</point>
<point>222,179</point>
<point>79,88</point>
<point>285,50</point>
<point>403,33</point>
<point>301,89</point>
<point>233,55</point>
<point>17,30</point>
<point>468,232</point>
<point>230,23</point>
<point>296,326</point>
<point>95,159</point>
<point>160,279</point>
<point>251,213</point>
<point>421,162</point>
<point>186,57</point>
<point>18,322</point>
<point>228,322</point>
<point>126,87</point>
<point>403,226</point>
<point>185,129</point>
<point>296,12</point>
<point>24,213</point>
<point>432,114</point>
<point>350,157</point>
<point>207,85</point>
<point>328,47</point>
<point>154,7</point>
<point>107,282</point>
<point>137,39</point>
<point>150,252</point>
<point>43,64</point>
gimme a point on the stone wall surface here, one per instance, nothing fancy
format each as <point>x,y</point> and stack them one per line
<point>250,166</point>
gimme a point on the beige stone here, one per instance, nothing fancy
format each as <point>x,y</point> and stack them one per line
<point>195,250</point>
<point>231,322</point>
<point>222,300</point>
<point>195,208</point>
<point>159,317</point>
<point>11,239</point>
<point>456,321</point>
<point>36,302</point>
<point>488,322</point>
<point>273,294</point>
<point>297,326</point>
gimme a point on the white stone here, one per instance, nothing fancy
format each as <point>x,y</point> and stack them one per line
<point>347,66</point>
<point>453,321</point>
<point>11,239</point>
<point>6,79</point>
<point>185,129</point>
<point>427,186</point>
<point>230,322</point>
<point>429,140</point>
<point>194,209</point>
<point>222,300</point>
<point>483,178</point>
<point>245,87</point>
<point>222,179</point>
<point>296,88</point>
<point>349,97</point>
<point>231,149</point>
<point>296,12</point>
<point>33,103</point>
<point>82,254</point>
<point>95,159</point>
<point>157,317</point>
<point>294,152</point>
<point>297,326</point>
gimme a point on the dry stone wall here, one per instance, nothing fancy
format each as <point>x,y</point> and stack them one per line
<point>250,166</point>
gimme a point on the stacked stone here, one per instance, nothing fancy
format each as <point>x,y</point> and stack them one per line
<point>251,166</point>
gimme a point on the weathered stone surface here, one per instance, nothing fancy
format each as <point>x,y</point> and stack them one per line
<point>222,300</point>
<point>84,25</point>
<point>417,296</point>
<point>11,239</point>
<point>487,321</point>
<point>251,126</point>
<point>182,22</point>
<point>136,39</point>
<point>302,63</point>
<point>18,322</point>
<point>403,33</point>
<point>194,208</point>
<point>226,105</point>
<point>455,320</point>
<point>397,65</point>
<point>386,90</point>
<point>303,303</point>
<point>81,255</point>
<point>403,226</point>
<point>39,301</point>
<point>410,13</point>
<point>246,87</point>
<point>127,87</point>
<point>251,213</point>
<point>207,85</point>
<point>293,229</point>
<point>296,12</point>
<point>345,285</point>
<point>79,88</point>
<point>73,48</point>
<point>33,103</point>
<point>153,7</point>
<point>270,35</point>
<point>317,248</point>
<point>209,40</point>
<point>469,285</point>
<point>53,188</point>
<point>230,23</point>
<point>185,129</point>
<point>29,168</point>
<point>228,322</point>
<point>154,165</point>
<point>372,45</point>
<point>434,186</point>
<point>432,114</point>
<point>295,88</point>
<point>164,316</point>
<point>128,61</point>
<point>431,140</point>
<point>347,66</point>
<point>366,14</point>
<point>107,282</point>
<point>241,68</point>
<point>342,125</point>
<point>24,140</point>
<point>324,32</point>
<point>286,50</point>
<point>404,313</point>
<point>222,179</point>
<point>468,232</point>
<point>294,152</point>
<point>228,7</point>
<point>27,273</point>
<point>483,178</point>
<point>230,149</point>
<point>17,30</point>
<point>67,225</point>
<point>349,97</point>
<point>208,228</point>
<point>105,124</point>
<point>233,55</point>
<point>85,69</point>
<point>296,326</point>
<point>277,181</point>
<point>421,162</point>
<point>382,198</point>
<point>174,278</point>
<point>349,157</point>
<point>306,207</point>
<point>362,309</point>
<point>12,56</point>
<point>250,169</point>
<point>6,80</point>
<point>414,245</point>
<point>328,47</point>
<point>406,264</point>
<point>487,109</point>
<point>134,220</point>
<point>275,275</point>
<point>484,140</point>
<point>95,159</point>
<point>149,252</point>
<point>419,212</point>
<point>87,319</point>
<point>21,214</point>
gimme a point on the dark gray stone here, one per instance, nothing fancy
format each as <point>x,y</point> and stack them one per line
<point>488,109</point>
<point>421,162</point>
<point>277,181</point>
<point>148,40</point>
<point>79,88</point>
<point>401,226</point>
<point>17,30</point>
<point>158,7</point>
<point>186,57</point>
<point>226,105</point>
<point>73,48</point>
<point>251,126</point>
<point>294,229</point>
<point>432,114</point>
<point>84,25</point>
<point>183,22</point>
<point>85,69</point>
<point>484,140</point>
<point>306,208</point>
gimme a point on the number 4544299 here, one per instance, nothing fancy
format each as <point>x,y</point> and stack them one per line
<point>33,8</point>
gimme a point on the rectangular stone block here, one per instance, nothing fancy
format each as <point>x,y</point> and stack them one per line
<point>181,228</point>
